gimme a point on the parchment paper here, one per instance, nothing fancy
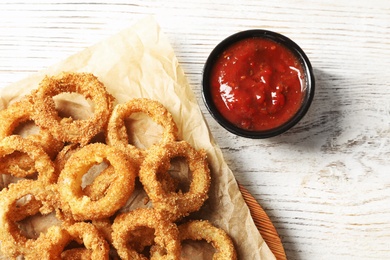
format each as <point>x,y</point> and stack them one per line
<point>140,62</point>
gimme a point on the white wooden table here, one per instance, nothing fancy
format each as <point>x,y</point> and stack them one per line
<point>326,183</point>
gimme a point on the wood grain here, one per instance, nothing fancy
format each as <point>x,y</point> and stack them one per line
<point>264,225</point>
<point>325,184</point>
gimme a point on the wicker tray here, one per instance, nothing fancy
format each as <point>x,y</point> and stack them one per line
<point>264,225</point>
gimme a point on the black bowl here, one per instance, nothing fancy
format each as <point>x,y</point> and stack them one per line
<point>282,40</point>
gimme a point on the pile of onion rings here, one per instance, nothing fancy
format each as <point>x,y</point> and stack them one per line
<point>68,172</point>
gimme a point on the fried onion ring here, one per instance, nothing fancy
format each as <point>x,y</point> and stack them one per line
<point>204,230</point>
<point>17,164</point>
<point>21,112</point>
<point>117,132</point>
<point>13,242</point>
<point>166,244</point>
<point>84,208</point>
<point>67,129</point>
<point>42,163</point>
<point>97,189</point>
<point>20,164</point>
<point>175,204</point>
<point>81,233</point>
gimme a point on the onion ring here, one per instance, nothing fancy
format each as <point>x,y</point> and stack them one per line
<point>97,189</point>
<point>83,207</point>
<point>21,112</point>
<point>81,233</point>
<point>165,234</point>
<point>117,133</point>
<point>17,164</point>
<point>42,163</point>
<point>175,204</point>
<point>67,129</point>
<point>20,164</point>
<point>204,230</point>
<point>14,243</point>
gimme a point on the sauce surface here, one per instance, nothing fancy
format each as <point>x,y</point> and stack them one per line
<point>257,84</point>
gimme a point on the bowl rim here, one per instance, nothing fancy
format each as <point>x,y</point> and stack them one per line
<point>279,38</point>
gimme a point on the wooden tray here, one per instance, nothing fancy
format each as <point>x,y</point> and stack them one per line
<point>264,225</point>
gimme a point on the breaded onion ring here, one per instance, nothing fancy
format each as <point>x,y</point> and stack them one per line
<point>13,242</point>
<point>20,164</point>
<point>17,164</point>
<point>67,129</point>
<point>82,207</point>
<point>166,244</point>
<point>81,233</point>
<point>175,204</point>
<point>100,184</point>
<point>204,230</point>
<point>42,163</point>
<point>22,112</point>
<point>117,133</point>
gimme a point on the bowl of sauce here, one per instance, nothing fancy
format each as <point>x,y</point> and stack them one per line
<point>258,83</point>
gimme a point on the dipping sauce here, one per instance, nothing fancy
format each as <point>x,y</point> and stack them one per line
<point>257,84</point>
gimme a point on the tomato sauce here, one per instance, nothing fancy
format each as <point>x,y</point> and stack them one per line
<point>257,84</point>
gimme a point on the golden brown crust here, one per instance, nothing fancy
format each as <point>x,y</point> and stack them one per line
<point>82,233</point>
<point>117,133</point>
<point>83,207</point>
<point>67,129</point>
<point>166,241</point>
<point>76,254</point>
<point>175,204</point>
<point>14,242</point>
<point>35,153</point>
<point>204,230</point>
<point>22,112</point>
